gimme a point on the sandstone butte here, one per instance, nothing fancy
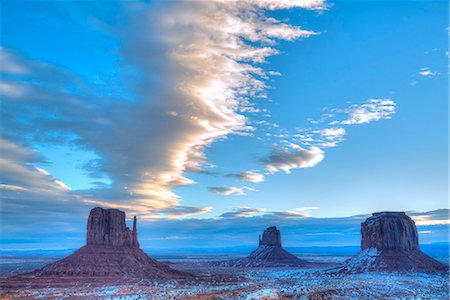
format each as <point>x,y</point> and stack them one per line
<point>270,253</point>
<point>111,255</point>
<point>390,243</point>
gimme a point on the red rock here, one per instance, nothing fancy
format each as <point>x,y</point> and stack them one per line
<point>111,255</point>
<point>389,231</point>
<point>268,254</point>
<point>270,237</point>
<point>107,227</point>
<point>389,243</point>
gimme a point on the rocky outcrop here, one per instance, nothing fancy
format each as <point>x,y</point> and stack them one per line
<point>111,254</point>
<point>389,243</point>
<point>270,237</point>
<point>268,254</point>
<point>389,231</point>
<point>107,227</point>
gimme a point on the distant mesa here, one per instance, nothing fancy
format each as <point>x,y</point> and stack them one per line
<point>269,254</point>
<point>111,253</point>
<point>390,243</point>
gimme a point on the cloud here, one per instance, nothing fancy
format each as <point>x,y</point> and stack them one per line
<point>12,187</point>
<point>372,110</point>
<point>289,214</point>
<point>184,211</point>
<point>298,157</point>
<point>249,176</point>
<point>11,63</point>
<point>241,212</point>
<point>328,137</point>
<point>307,208</point>
<point>320,137</point>
<point>227,191</point>
<point>149,140</point>
<point>33,201</point>
<point>427,72</point>
<point>222,231</point>
<point>20,174</point>
<point>436,217</point>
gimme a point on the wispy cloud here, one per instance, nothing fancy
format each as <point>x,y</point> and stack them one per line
<point>241,212</point>
<point>304,148</point>
<point>178,109</point>
<point>184,211</point>
<point>372,110</point>
<point>427,72</point>
<point>293,158</point>
<point>227,191</point>
<point>436,217</point>
<point>324,138</point>
<point>20,174</point>
<point>250,176</point>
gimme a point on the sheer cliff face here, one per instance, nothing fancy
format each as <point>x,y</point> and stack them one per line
<point>108,227</point>
<point>271,237</point>
<point>389,231</point>
<point>389,243</point>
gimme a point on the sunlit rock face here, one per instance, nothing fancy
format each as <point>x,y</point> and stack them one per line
<point>389,231</point>
<point>389,243</point>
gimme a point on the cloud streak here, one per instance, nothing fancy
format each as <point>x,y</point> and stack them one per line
<point>228,191</point>
<point>197,67</point>
<point>426,72</point>
<point>250,176</point>
<point>298,157</point>
<point>241,212</point>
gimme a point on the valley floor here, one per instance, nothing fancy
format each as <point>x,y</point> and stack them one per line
<point>238,283</point>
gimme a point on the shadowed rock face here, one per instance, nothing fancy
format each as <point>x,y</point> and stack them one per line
<point>107,227</point>
<point>268,254</point>
<point>390,243</point>
<point>389,231</point>
<point>270,237</point>
<point>111,254</point>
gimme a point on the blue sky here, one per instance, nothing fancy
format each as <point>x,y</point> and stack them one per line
<point>162,111</point>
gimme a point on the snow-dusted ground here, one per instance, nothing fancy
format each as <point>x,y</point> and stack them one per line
<point>276,283</point>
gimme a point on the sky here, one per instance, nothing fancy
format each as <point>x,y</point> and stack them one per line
<point>212,118</point>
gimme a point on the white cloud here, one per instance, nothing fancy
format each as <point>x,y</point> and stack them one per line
<point>298,157</point>
<point>184,211</point>
<point>372,110</point>
<point>330,137</point>
<point>227,191</point>
<point>427,72</point>
<point>196,72</point>
<point>241,212</point>
<point>249,176</point>
<point>283,4</point>
<point>307,208</point>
